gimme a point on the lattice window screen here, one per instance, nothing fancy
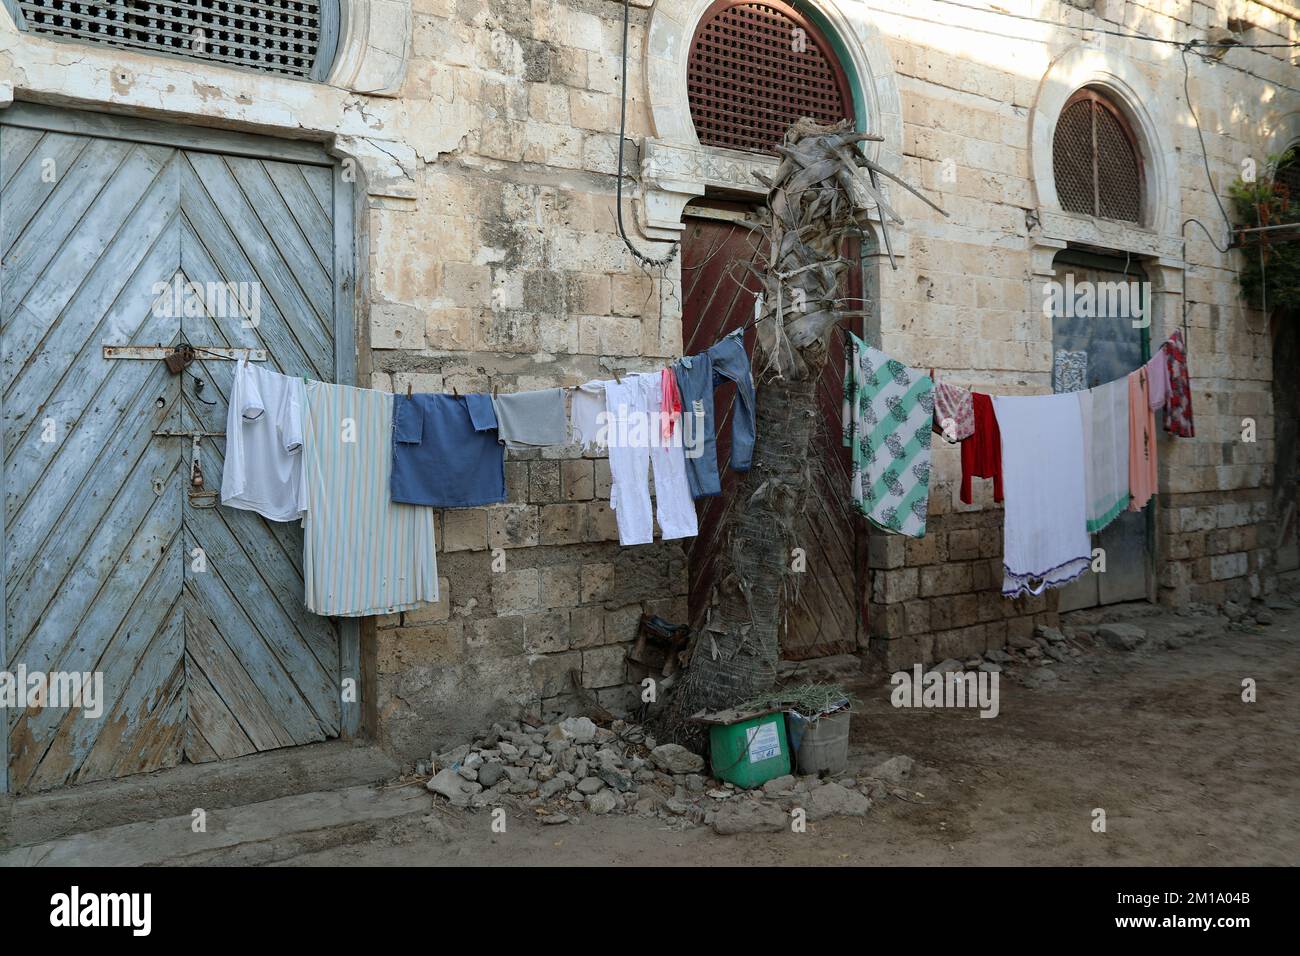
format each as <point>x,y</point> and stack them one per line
<point>274,36</point>
<point>754,69</point>
<point>1095,161</point>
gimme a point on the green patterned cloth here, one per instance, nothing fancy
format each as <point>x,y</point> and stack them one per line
<point>888,411</point>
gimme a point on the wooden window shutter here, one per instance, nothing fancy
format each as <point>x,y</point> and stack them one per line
<point>289,37</point>
<point>1096,161</point>
<point>755,68</point>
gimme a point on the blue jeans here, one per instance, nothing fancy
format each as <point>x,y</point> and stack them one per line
<point>697,377</point>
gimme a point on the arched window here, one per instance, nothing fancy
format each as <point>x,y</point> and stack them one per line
<point>293,38</point>
<point>1096,160</point>
<point>755,68</point>
<point>1288,175</point>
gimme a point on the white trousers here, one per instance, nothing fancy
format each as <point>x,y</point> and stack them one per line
<point>635,446</point>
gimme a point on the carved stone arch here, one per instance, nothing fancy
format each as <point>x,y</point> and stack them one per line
<point>1283,134</point>
<point>373,46</point>
<point>1153,121</point>
<point>676,168</point>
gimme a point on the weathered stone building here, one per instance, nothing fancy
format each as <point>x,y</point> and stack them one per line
<point>473,148</point>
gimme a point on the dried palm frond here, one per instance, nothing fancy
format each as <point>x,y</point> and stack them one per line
<point>821,194</point>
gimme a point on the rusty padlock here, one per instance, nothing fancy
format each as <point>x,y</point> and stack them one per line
<point>180,358</point>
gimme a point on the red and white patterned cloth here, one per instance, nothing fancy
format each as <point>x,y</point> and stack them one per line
<point>954,413</point>
<point>1178,406</point>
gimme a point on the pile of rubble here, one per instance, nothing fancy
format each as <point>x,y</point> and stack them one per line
<point>1049,655</point>
<point>562,770</point>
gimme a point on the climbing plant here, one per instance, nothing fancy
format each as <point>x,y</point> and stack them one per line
<point>1270,267</point>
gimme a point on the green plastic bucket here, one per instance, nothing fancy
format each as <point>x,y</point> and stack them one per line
<point>750,751</point>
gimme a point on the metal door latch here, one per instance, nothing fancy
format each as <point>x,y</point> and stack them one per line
<point>196,468</point>
<point>177,354</point>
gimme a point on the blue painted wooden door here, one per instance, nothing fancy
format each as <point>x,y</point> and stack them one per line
<point>114,561</point>
<point>1113,346</point>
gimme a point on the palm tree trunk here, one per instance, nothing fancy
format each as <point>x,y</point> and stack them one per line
<point>820,196</point>
<point>814,208</point>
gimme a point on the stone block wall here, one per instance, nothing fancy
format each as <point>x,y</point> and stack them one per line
<point>1216,550</point>
<point>506,272</point>
<point>939,597</point>
<point>535,595</point>
<point>968,303</point>
<point>491,260</point>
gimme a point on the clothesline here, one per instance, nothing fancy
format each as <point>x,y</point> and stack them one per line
<point>364,470</point>
<point>1065,464</point>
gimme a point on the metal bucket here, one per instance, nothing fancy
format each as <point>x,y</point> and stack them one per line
<point>821,744</point>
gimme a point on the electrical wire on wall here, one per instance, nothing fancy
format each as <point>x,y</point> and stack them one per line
<point>1122,34</point>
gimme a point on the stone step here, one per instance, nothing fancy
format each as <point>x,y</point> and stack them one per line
<point>256,833</point>
<point>43,817</point>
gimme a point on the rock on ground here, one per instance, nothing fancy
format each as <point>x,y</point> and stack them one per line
<point>832,800</point>
<point>1038,676</point>
<point>453,786</point>
<point>746,816</point>
<point>1122,637</point>
<point>603,801</point>
<point>894,770</point>
<point>674,758</point>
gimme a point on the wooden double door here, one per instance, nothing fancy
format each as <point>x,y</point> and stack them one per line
<point>125,233</point>
<point>829,613</point>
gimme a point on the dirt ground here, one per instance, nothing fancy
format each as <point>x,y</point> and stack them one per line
<point>1187,773</point>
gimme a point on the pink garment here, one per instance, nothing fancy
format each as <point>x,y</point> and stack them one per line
<point>1141,441</point>
<point>670,403</point>
<point>1158,378</point>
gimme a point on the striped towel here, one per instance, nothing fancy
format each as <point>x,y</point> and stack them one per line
<point>1105,451</point>
<point>362,554</point>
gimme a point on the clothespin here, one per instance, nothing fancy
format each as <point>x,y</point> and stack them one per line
<point>618,378</point>
<point>455,391</point>
<point>494,391</point>
<point>408,389</point>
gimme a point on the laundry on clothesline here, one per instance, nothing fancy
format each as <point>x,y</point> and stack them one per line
<point>587,416</point>
<point>446,453</point>
<point>365,470</point>
<point>1045,534</point>
<point>981,452</point>
<point>1178,407</point>
<point>887,418</point>
<point>1100,442</point>
<point>1105,415</point>
<point>1158,379</point>
<point>697,378</point>
<point>263,470</point>
<point>633,405</point>
<point>1142,470</point>
<point>534,419</point>
<point>363,553</point>
<point>954,412</point>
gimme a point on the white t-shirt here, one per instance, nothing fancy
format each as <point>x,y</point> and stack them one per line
<point>263,469</point>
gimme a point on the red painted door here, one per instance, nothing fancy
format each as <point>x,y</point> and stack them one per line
<point>718,296</point>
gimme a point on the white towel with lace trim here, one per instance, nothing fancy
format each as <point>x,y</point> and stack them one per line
<point>1045,529</point>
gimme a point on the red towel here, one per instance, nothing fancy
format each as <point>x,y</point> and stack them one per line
<point>981,454</point>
